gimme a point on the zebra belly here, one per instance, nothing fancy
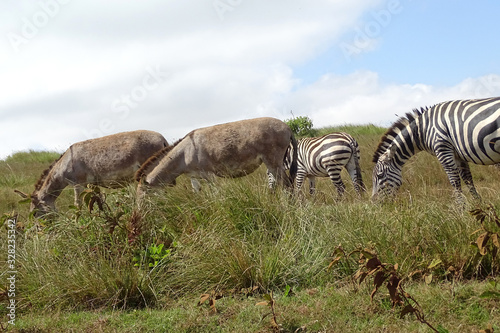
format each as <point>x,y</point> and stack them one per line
<point>484,152</point>
<point>320,170</point>
<point>493,158</point>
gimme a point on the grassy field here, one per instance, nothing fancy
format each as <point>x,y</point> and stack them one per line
<point>256,260</point>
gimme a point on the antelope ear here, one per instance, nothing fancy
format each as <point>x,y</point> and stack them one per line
<point>22,194</point>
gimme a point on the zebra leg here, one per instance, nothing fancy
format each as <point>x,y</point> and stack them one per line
<point>353,170</point>
<point>271,180</point>
<point>466,175</point>
<point>299,180</point>
<point>278,175</point>
<point>334,174</point>
<point>312,185</point>
<point>276,169</point>
<point>445,156</point>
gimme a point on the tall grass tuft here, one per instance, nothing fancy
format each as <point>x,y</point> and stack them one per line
<point>237,234</point>
<point>74,261</point>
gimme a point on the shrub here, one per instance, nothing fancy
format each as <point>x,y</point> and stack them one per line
<point>301,126</point>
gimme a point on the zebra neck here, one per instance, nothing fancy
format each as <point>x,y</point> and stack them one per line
<point>408,143</point>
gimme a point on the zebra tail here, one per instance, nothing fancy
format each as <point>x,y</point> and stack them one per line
<point>294,162</point>
<point>356,156</point>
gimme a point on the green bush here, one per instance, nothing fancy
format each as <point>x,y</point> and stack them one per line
<point>301,126</point>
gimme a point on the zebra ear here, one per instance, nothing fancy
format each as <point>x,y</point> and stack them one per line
<point>388,154</point>
<point>392,151</point>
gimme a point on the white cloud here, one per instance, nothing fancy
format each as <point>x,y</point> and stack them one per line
<point>360,97</point>
<point>86,72</point>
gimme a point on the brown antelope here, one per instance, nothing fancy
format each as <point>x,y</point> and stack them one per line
<point>228,150</point>
<point>109,161</point>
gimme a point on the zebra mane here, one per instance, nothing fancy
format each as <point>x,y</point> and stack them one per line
<point>45,173</point>
<point>394,131</point>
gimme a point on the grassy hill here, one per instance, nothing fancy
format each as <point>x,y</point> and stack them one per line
<point>237,244</point>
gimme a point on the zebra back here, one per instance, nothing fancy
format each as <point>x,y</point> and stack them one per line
<point>325,156</point>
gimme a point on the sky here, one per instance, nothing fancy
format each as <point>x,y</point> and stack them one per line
<point>72,70</point>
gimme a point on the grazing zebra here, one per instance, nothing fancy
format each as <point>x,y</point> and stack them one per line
<point>456,132</point>
<point>325,157</point>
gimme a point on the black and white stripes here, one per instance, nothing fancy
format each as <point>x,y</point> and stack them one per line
<point>456,132</point>
<point>325,157</point>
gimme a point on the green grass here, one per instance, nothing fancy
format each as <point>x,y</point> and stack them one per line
<point>20,171</point>
<point>331,308</point>
<point>90,271</point>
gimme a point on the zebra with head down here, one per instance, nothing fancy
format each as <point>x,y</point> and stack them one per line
<point>456,132</point>
<point>326,156</point>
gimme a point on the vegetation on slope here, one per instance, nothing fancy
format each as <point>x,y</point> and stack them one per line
<point>237,244</point>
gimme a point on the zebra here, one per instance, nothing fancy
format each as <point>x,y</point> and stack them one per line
<point>325,156</point>
<point>456,132</point>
